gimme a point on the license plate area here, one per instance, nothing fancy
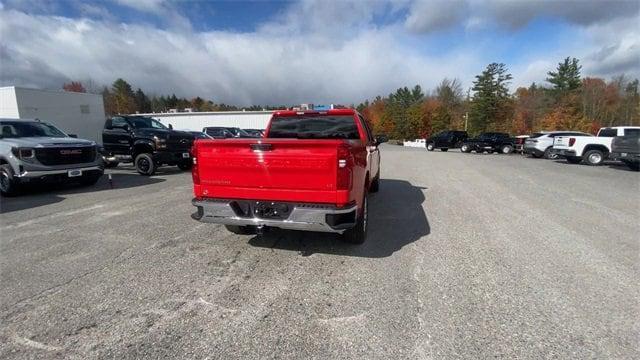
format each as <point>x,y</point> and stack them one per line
<point>74,173</point>
<point>262,209</point>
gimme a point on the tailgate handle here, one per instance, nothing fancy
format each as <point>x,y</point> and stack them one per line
<point>261,147</point>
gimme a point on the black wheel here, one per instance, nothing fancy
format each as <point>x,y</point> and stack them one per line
<point>185,166</point>
<point>444,149</point>
<point>358,234</point>
<point>548,154</point>
<point>241,230</point>
<point>90,179</point>
<point>465,148</point>
<point>111,164</point>
<point>145,164</point>
<point>431,146</point>
<point>8,185</point>
<point>594,157</point>
<point>633,165</point>
<point>574,159</point>
<point>375,184</point>
<point>506,149</point>
<point>535,155</point>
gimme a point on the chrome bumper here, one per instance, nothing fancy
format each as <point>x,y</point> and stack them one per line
<point>300,218</point>
<point>40,173</point>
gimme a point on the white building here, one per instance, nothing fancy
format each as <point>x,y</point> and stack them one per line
<point>195,121</point>
<point>74,113</point>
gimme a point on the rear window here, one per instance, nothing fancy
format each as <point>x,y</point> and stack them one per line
<point>633,132</point>
<point>536,135</point>
<point>314,127</point>
<point>608,133</point>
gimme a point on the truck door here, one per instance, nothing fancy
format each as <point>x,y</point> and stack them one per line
<point>116,136</point>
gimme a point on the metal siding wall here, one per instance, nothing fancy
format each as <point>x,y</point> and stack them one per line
<point>195,121</point>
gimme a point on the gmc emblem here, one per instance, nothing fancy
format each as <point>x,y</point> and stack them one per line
<point>71,152</point>
<point>184,141</point>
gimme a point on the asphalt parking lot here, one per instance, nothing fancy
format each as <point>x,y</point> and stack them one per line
<point>468,256</point>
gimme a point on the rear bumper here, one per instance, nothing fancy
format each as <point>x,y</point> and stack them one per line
<point>305,217</point>
<point>625,156</point>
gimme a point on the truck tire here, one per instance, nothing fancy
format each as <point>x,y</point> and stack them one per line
<point>444,149</point>
<point>145,165</point>
<point>549,155</point>
<point>431,146</point>
<point>465,148</point>
<point>241,230</point>
<point>633,165</point>
<point>185,166</point>
<point>375,184</point>
<point>594,157</point>
<point>358,234</point>
<point>8,185</point>
<point>506,149</point>
<point>574,159</point>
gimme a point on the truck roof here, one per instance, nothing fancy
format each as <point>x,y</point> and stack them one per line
<point>315,112</point>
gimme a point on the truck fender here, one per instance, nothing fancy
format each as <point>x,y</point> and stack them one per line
<point>143,143</point>
<point>600,147</point>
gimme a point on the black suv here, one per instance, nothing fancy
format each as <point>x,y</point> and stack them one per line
<point>146,142</point>
<point>446,140</point>
<point>489,142</point>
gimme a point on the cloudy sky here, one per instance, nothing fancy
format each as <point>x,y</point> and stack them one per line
<point>310,51</point>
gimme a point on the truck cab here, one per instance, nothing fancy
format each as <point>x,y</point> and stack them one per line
<point>146,142</point>
<point>312,171</point>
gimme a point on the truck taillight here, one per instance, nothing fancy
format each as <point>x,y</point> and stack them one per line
<point>572,141</point>
<point>195,175</point>
<point>345,164</point>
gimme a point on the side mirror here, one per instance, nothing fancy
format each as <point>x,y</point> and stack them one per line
<point>170,127</point>
<point>73,136</point>
<point>381,139</point>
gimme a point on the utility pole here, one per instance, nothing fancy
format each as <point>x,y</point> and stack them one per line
<point>466,114</point>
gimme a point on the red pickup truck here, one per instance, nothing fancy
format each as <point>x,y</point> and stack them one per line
<point>311,171</point>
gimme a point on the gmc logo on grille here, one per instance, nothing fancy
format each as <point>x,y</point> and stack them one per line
<point>71,152</point>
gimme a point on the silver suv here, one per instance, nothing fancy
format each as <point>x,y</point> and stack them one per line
<point>36,151</point>
<point>541,144</point>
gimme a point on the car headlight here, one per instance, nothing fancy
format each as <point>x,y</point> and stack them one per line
<point>23,153</point>
<point>160,143</point>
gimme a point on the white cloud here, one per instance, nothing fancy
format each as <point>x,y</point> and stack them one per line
<point>154,6</point>
<point>311,53</point>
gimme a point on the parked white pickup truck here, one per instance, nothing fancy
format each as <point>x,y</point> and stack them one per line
<point>591,150</point>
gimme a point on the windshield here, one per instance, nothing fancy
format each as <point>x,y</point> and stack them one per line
<point>536,135</point>
<point>18,129</point>
<point>314,127</point>
<point>140,122</point>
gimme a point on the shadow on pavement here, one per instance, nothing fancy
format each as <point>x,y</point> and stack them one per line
<point>44,194</point>
<point>396,219</point>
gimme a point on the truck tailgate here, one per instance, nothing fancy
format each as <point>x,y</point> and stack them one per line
<point>269,169</point>
<point>561,142</point>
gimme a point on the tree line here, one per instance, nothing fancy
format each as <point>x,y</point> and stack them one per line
<point>566,101</point>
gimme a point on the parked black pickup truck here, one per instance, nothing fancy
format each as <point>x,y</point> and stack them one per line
<point>446,140</point>
<point>489,142</point>
<point>627,149</point>
<point>146,142</point>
